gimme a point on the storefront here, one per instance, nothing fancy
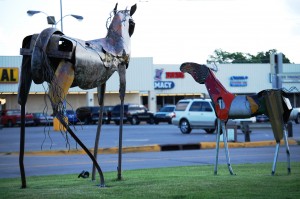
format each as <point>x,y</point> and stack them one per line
<point>153,85</point>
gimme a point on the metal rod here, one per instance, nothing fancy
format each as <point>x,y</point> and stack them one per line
<point>217,145</point>
<point>226,148</point>
<point>22,147</point>
<point>275,158</point>
<point>120,140</point>
<point>61,16</point>
<point>122,75</point>
<point>62,121</point>
<point>287,151</point>
<point>101,91</point>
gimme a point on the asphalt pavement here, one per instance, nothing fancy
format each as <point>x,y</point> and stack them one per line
<point>136,138</point>
<point>144,146</point>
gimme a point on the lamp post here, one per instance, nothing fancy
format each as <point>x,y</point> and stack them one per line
<point>51,19</point>
<point>78,17</point>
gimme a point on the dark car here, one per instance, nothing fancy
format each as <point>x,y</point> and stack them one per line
<point>42,119</point>
<point>107,114</point>
<point>133,113</point>
<point>72,118</point>
<point>165,114</point>
<point>90,114</point>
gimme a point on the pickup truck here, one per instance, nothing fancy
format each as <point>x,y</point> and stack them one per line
<point>11,117</point>
<point>295,115</point>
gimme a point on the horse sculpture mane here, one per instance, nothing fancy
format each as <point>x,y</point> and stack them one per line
<point>271,102</point>
<point>65,62</point>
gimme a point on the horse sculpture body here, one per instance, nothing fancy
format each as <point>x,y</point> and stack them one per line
<point>272,103</point>
<point>65,62</point>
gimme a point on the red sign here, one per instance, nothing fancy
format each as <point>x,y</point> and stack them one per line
<point>174,75</point>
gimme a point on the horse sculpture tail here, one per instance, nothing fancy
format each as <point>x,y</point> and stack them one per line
<point>60,84</point>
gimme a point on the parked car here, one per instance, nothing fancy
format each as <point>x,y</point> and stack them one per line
<point>295,115</point>
<point>71,115</point>
<point>12,117</point>
<point>88,114</point>
<point>238,122</point>
<point>165,114</point>
<point>262,118</point>
<point>195,114</point>
<point>42,119</point>
<point>133,113</point>
<point>107,114</point>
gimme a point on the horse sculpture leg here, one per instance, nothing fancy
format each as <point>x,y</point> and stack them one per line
<point>101,91</point>
<point>217,145</point>
<point>22,147</point>
<point>24,87</point>
<point>287,151</point>
<point>226,148</point>
<point>60,117</point>
<point>274,105</point>
<point>221,127</point>
<point>122,74</point>
<point>275,157</point>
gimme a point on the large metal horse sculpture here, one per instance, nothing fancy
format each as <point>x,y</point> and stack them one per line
<point>65,62</point>
<point>271,102</point>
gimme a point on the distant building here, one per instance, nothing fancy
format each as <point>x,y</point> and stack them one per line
<point>153,85</point>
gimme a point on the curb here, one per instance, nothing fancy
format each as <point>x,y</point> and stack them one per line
<point>156,148</point>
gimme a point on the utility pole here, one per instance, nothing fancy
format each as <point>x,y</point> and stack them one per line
<point>276,70</point>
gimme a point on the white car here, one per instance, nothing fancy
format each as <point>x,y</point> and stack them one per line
<point>295,115</point>
<point>195,114</point>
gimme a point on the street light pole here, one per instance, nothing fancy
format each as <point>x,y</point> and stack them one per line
<point>61,16</point>
<point>51,19</point>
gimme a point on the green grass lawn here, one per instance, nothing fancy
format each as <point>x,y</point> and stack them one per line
<point>252,181</point>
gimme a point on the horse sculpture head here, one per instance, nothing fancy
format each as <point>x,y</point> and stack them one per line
<point>121,28</point>
<point>123,17</point>
<point>197,71</point>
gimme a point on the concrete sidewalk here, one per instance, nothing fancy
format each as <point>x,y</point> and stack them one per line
<point>157,148</point>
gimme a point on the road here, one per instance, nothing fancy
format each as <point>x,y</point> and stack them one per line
<point>133,136</point>
<point>41,138</point>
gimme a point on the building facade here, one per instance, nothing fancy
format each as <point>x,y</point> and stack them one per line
<point>153,85</point>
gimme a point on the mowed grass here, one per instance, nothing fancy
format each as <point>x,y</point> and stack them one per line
<point>251,181</point>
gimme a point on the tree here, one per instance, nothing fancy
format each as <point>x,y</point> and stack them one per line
<point>224,57</point>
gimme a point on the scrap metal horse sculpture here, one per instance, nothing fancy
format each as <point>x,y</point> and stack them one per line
<point>65,62</point>
<point>271,102</point>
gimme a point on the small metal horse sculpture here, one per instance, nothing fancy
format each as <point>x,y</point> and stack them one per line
<point>65,62</point>
<point>272,103</point>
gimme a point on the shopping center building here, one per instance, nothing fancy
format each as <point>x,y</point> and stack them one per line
<point>153,85</point>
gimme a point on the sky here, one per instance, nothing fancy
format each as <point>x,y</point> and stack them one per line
<point>170,31</point>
